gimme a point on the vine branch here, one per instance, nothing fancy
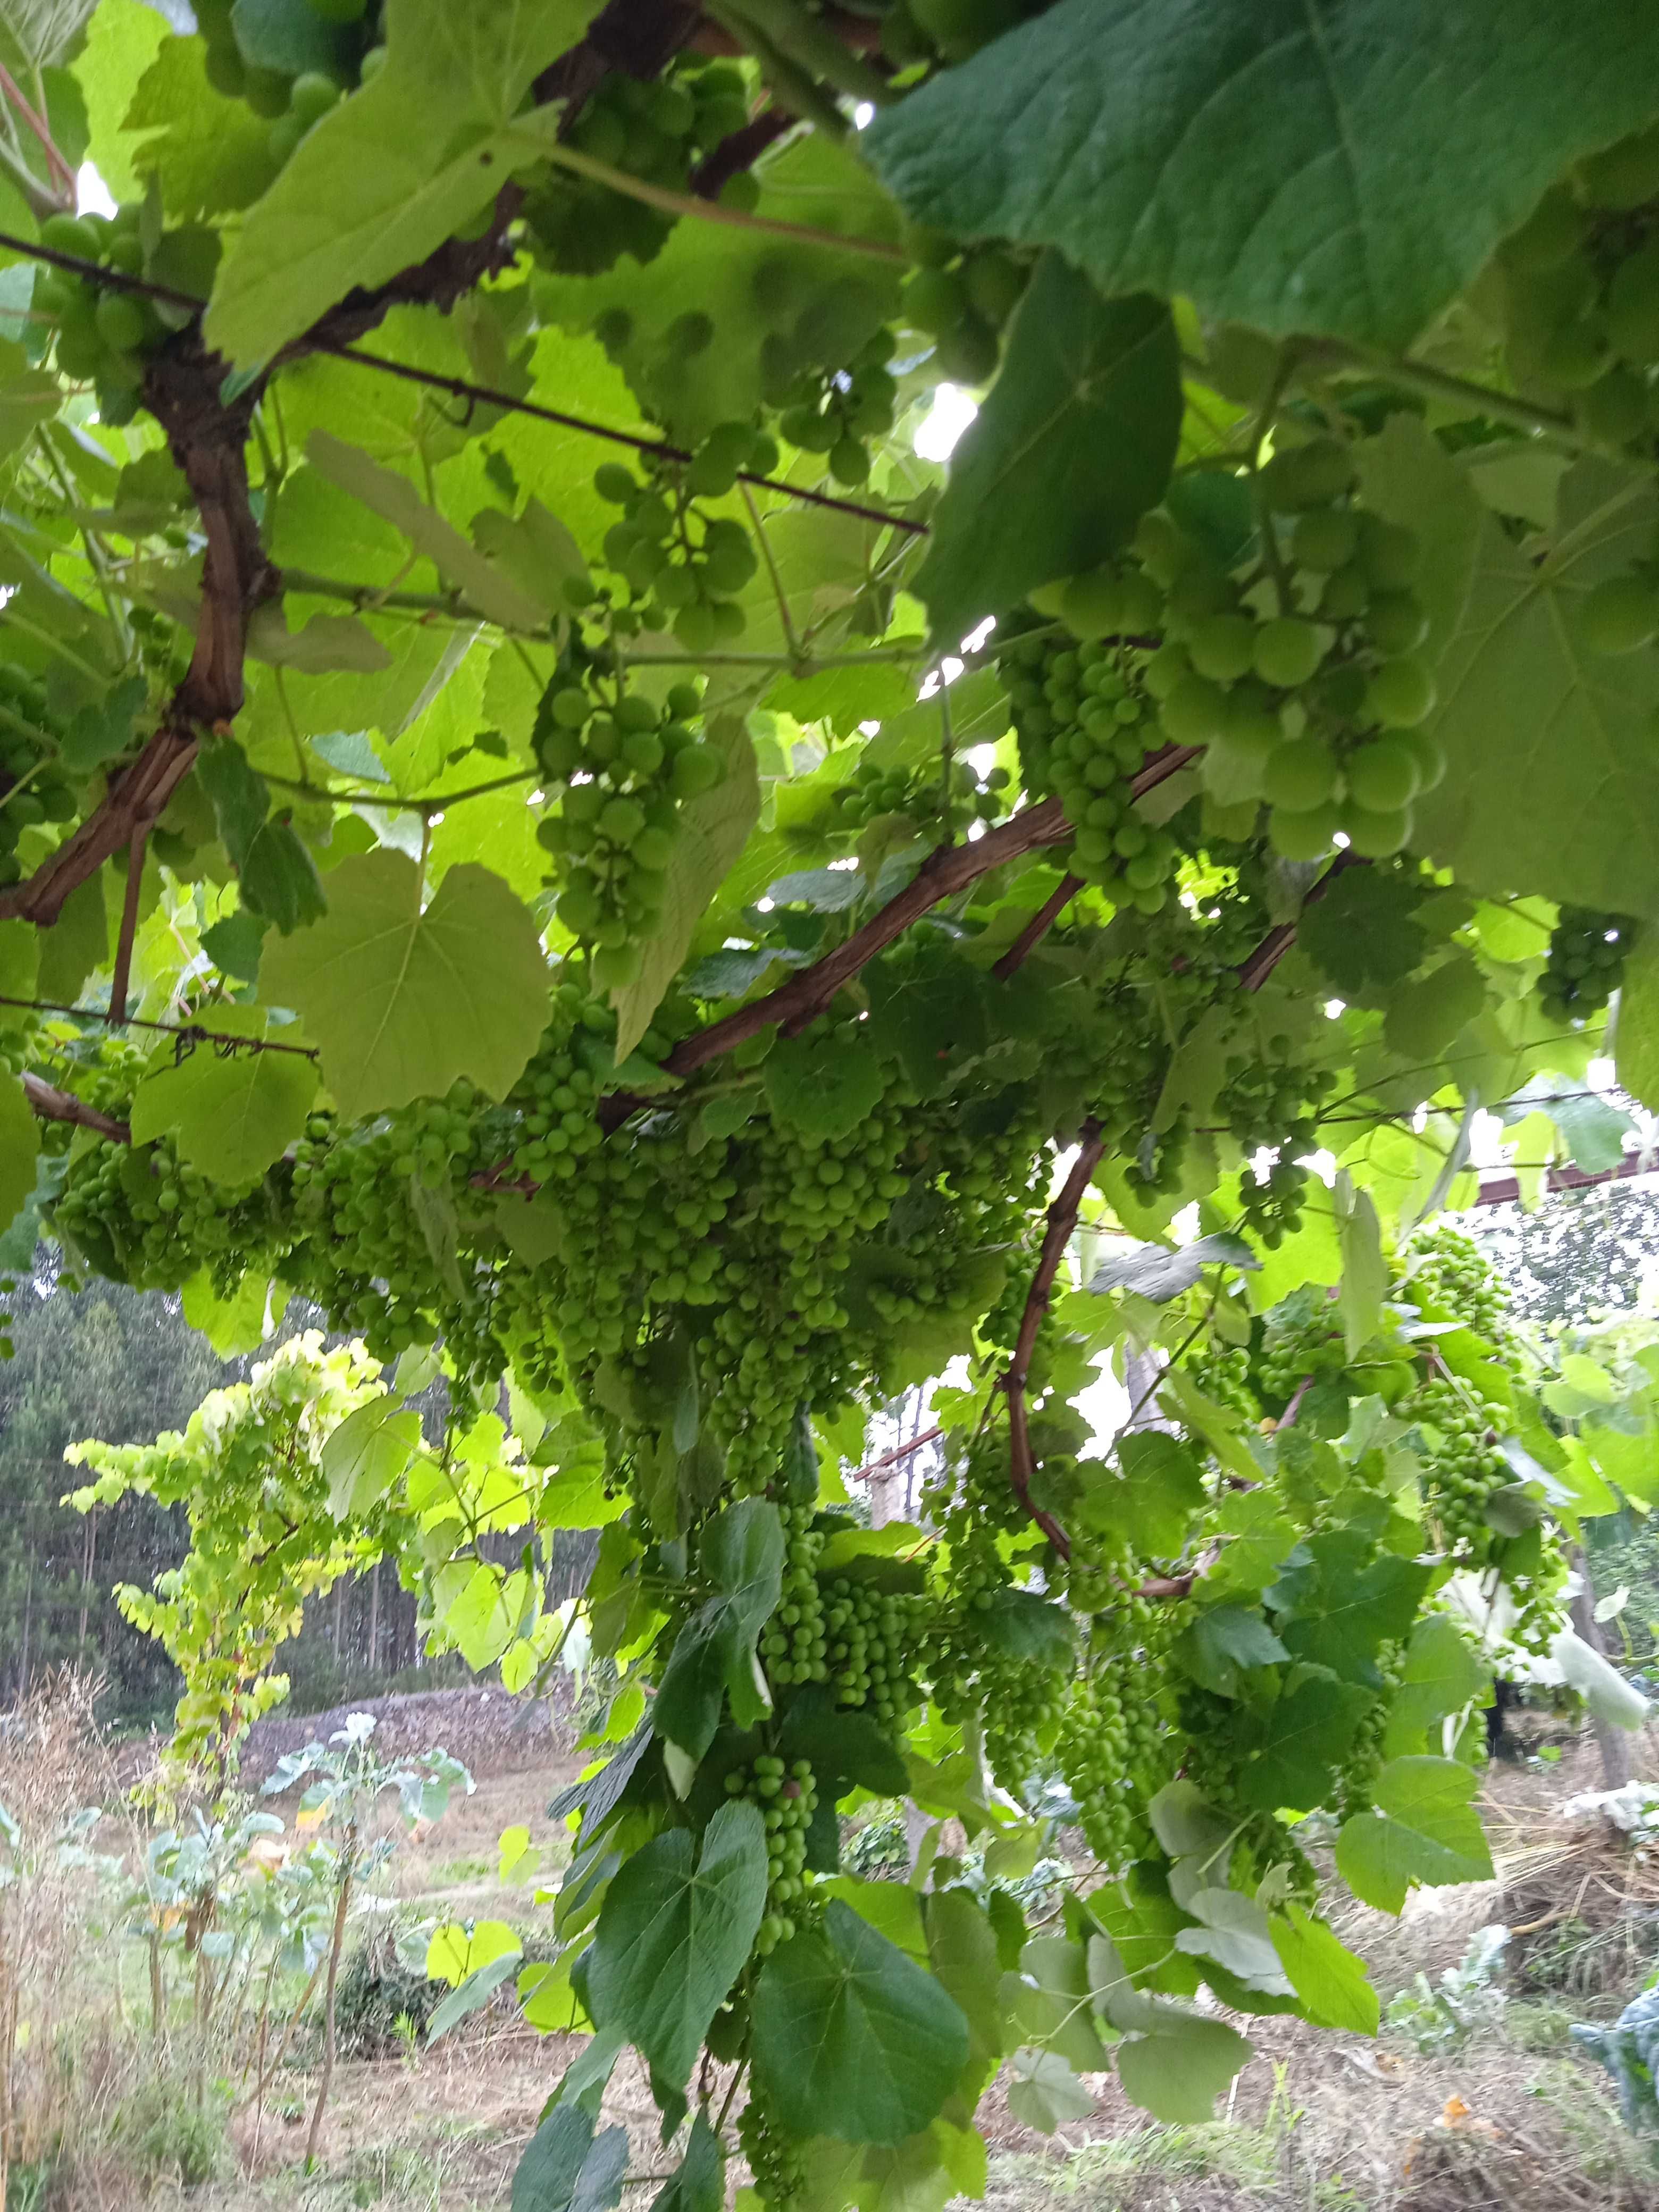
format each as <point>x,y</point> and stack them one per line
<point>51,1105</point>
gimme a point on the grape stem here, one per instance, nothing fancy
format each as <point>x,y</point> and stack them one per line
<point>1037,927</point>
<point>123,969</point>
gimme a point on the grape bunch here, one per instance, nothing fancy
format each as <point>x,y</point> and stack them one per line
<point>33,787</point>
<point>1082,720</point>
<point>626,766</point>
<point>1357,1777</point>
<point>104,333</point>
<point>876,793</point>
<point>655,131</point>
<point>788,1800</point>
<point>1303,1341</point>
<point>1586,962</point>
<point>1579,285</point>
<point>1223,1373</point>
<point>1448,1269</point>
<point>796,1639</point>
<point>776,2161</point>
<point>144,1216</point>
<point>1275,1107</point>
<point>343,49</point>
<point>873,1636</point>
<point>961,300</point>
<point>1464,1467</point>
<point>1112,1744</point>
<point>1302,684</point>
<point>837,412</point>
<point>681,563</point>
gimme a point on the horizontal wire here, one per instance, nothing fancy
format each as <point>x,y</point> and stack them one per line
<point>191,1029</point>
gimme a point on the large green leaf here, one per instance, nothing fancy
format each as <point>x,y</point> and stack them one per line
<point>1442,1673</point>
<point>400,1001</point>
<point>1552,781</point>
<point>1177,2071</point>
<point>852,2038</point>
<point>741,1555</point>
<point>1334,1985</point>
<point>676,1925</point>
<point>1425,1829</point>
<point>365,1455</point>
<point>1343,1605</point>
<point>713,829</point>
<point>1073,445</point>
<point>230,1114</point>
<point>1292,1748</point>
<point>392,171</point>
<point>1343,165</point>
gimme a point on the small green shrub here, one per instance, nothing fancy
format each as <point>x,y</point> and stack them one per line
<point>171,2137</point>
<point>378,1992</point>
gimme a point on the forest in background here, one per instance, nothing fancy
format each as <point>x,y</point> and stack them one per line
<point>123,1365</point>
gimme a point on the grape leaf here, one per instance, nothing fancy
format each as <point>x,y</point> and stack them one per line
<point>565,2168</point>
<point>401,1002</point>
<point>1045,2092</point>
<point>1525,705</point>
<point>1292,166</point>
<point>1178,2072</point>
<point>391,172</point>
<point>1637,1040</point>
<point>1361,933</point>
<point>1425,1829</point>
<point>1074,443</point>
<point>493,593</point>
<point>205,155</point>
<point>1291,1749</point>
<point>366,1454</point>
<point>741,1554</point>
<point>698,2183</point>
<point>20,1146</point>
<point>1364,1270</point>
<point>1153,1273</point>
<point>1344,1605</point>
<point>1442,1674</point>
<point>1028,1627</point>
<point>713,828</point>
<point>230,1114</point>
<point>824,1084</point>
<point>676,1927</point>
<point>852,2038</point>
<point>121,40</point>
<point>1334,1985</point>
<point>1222,1641</point>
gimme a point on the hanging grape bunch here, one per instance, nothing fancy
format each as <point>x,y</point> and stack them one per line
<point>872,1637</point>
<point>33,785</point>
<point>1273,1106</point>
<point>341,48</point>
<point>1304,1341</point>
<point>656,132</point>
<point>680,563</point>
<point>1082,721</point>
<point>1448,1269</point>
<point>1112,1747</point>
<point>838,412</point>
<point>788,1800</point>
<point>876,793</point>
<point>1586,962</point>
<point>626,766</point>
<point>962,299</point>
<point>1222,1372</point>
<point>1579,283</point>
<point>1357,1777</point>
<point>103,333</point>
<point>795,1638</point>
<point>1464,1467</point>
<point>1300,678</point>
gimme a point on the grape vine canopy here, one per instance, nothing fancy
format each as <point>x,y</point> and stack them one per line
<point>531,815</point>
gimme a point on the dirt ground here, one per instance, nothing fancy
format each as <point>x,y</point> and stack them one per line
<point>1515,2119</point>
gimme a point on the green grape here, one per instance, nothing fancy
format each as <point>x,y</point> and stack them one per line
<point>777,2164</point>
<point>1451,1270</point>
<point>1586,961</point>
<point>1304,1342</point>
<point>1275,1108</point>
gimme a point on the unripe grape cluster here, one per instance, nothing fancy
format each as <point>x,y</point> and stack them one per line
<point>961,300</point>
<point>1301,679</point>
<point>1448,1269</point>
<point>787,1799</point>
<point>876,793</point>
<point>33,787</point>
<point>838,413</point>
<point>1586,962</point>
<point>795,1640</point>
<point>776,2159</point>
<point>684,566</point>
<point>1273,1106</point>
<point>1083,724</point>
<point>292,103</point>
<point>1303,1341</point>
<point>104,332</point>
<point>1356,1778</point>
<point>1579,284</point>
<point>1222,1372</point>
<point>655,131</point>
<point>625,766</point>
<point>147,1218</point>
<point>1464,1467</point>
<point>874,1637</point>
<point>1112,1744</point>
